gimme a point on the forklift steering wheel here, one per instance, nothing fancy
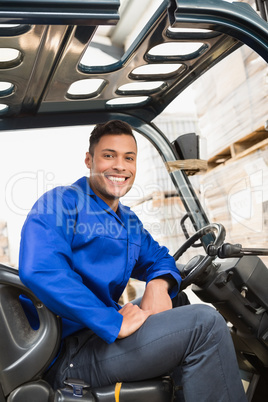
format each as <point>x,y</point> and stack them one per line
<point>198,264</point>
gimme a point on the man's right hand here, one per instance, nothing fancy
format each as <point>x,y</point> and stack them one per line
<point>133,318</point>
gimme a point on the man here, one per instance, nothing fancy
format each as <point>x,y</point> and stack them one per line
<point>79,248</point>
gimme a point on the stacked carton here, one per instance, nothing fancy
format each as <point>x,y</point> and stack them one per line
<point>231,105</point>
<point>231,99</point>
<point>236,195</point>
<point>4,249</point>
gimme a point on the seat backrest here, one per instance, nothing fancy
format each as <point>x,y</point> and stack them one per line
<point>25,352</point>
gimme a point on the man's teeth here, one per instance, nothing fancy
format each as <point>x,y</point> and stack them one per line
<point>118,179</point>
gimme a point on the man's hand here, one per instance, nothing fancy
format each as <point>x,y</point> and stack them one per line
<point>156,297</point>
<point>133,318</point>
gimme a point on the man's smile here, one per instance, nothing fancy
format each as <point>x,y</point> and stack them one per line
<point>117,179</point>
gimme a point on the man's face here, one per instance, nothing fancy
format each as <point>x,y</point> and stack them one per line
<point>112,167</point>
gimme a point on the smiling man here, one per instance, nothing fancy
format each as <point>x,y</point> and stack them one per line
<point>112,163</point>
<point>80,246</point>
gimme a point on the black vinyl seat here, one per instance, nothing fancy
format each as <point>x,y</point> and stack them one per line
<point>26,352</point>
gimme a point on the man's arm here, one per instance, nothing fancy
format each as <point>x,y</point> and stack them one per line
<point>157,267</point>
<point>156,299</point>
<point>156,296</point>
<point>154,261</point>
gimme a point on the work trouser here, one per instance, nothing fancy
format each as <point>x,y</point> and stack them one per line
<point>191,339</point>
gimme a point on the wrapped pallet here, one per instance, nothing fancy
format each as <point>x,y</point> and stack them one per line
<point>4,247</point>
<point>236,195</point>
<point>231,99</point>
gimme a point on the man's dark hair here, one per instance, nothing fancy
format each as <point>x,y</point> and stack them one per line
<point>110,128</point>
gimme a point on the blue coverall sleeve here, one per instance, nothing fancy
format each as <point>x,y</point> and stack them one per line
<point>46,267</point>
<point>154,261</point>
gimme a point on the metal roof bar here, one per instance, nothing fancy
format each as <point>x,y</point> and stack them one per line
<point>262,7</point>
<point>238,20</point>
<point>60,12</point>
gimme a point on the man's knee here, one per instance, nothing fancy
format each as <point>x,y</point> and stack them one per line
<point>211,320</point>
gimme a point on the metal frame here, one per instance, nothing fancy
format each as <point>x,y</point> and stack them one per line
<point>60,12</point>
<point>50,62</point>
<point>238,20</point>
<point>262,6</point>
<point>51,56</point>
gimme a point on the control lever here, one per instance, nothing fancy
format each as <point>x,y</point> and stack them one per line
<point>228,250</point>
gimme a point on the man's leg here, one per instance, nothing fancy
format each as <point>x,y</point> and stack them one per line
<point>194,337</point>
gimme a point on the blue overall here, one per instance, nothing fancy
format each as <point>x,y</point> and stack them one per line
<point>78,255</point>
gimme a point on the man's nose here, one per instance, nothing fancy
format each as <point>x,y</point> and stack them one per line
<point>119,164</point>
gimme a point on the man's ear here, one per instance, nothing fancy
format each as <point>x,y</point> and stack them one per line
<point>88,160</point>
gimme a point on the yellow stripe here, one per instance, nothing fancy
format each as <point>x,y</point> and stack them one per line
<point>117,390</point>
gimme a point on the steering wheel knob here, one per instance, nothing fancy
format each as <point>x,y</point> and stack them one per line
<point>191,264</point>
<point>199,264</point>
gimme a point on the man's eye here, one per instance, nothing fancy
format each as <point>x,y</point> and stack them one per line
<point>108,156</point>
<point>129,158</point>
